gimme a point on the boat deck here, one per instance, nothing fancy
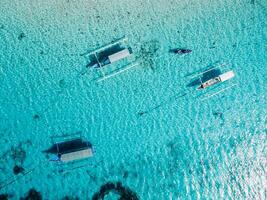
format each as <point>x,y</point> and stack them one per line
<point>77,155</point>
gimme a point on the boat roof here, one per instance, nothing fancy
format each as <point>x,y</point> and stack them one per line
<point>77,155</point>
<point>226,76</point>
<point>120,40</point>
<point>119,55</point>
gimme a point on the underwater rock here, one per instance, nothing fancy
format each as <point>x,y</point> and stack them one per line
<point>18,169</point>
<point>124,192</point>
<point>21,36</point>
<point>32,195</point>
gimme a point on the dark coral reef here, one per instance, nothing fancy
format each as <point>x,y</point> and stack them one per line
<point>124,192</point>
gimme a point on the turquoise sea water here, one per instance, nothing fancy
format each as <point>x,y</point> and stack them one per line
<point>182,147</point>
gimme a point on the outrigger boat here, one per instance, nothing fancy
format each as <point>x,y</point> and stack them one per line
<point>111,58</point>
<point>70,149</point>
<point>221,78</point>
<point>109,54</point>
<point>211,77</point>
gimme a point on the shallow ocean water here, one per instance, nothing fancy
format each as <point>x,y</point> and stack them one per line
<point>183,147</point>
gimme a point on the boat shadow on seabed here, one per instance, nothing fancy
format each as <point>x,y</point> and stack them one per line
<point>206,76</point>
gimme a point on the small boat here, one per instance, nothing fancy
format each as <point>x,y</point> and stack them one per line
<point>106,55</point>
<point>221,78</point>
<point>71,150</point>
<point>102,56</point>
<point>112,58</point>
<point>181,51</point>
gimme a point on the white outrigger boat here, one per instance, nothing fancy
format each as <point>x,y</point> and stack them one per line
<point>71,150</point>
<point>221,78</point>
<point>211,77</point>
<point>121,54</point>
<point>103,58</point>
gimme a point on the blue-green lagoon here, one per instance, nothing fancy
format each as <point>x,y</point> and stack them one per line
<point>151,131</point>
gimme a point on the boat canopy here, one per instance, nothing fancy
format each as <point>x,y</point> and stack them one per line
<point>76,155</point>
<point>119,55</point>
<point>226,76</point>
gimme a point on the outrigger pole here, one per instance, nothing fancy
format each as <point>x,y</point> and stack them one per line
<point>216,93</point>
<point>117,72</point>
<point>209,70</point>
<point>98,62</point>
<point>107,46</point>
<point>12,180</point>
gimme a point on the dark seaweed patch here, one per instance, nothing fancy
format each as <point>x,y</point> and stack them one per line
<point>21,36</point>
<point>32,195</point>
<point>219,115</point>
<point>3,196</point>
<point>125,174</point>
<point>124,192</point>
<point>18,154</point>
<point>18,169</point>
<point>70,198</point>
<point>141,113</point>
<point>148,52</point>
<point>36,116</point>
<point>62,83</point>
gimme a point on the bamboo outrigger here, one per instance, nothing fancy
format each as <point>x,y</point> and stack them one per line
<point>211,77</point>
<point>110,57</point>
<point>102,57</point>
<point>119,55</point>
<point>70,150</point>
